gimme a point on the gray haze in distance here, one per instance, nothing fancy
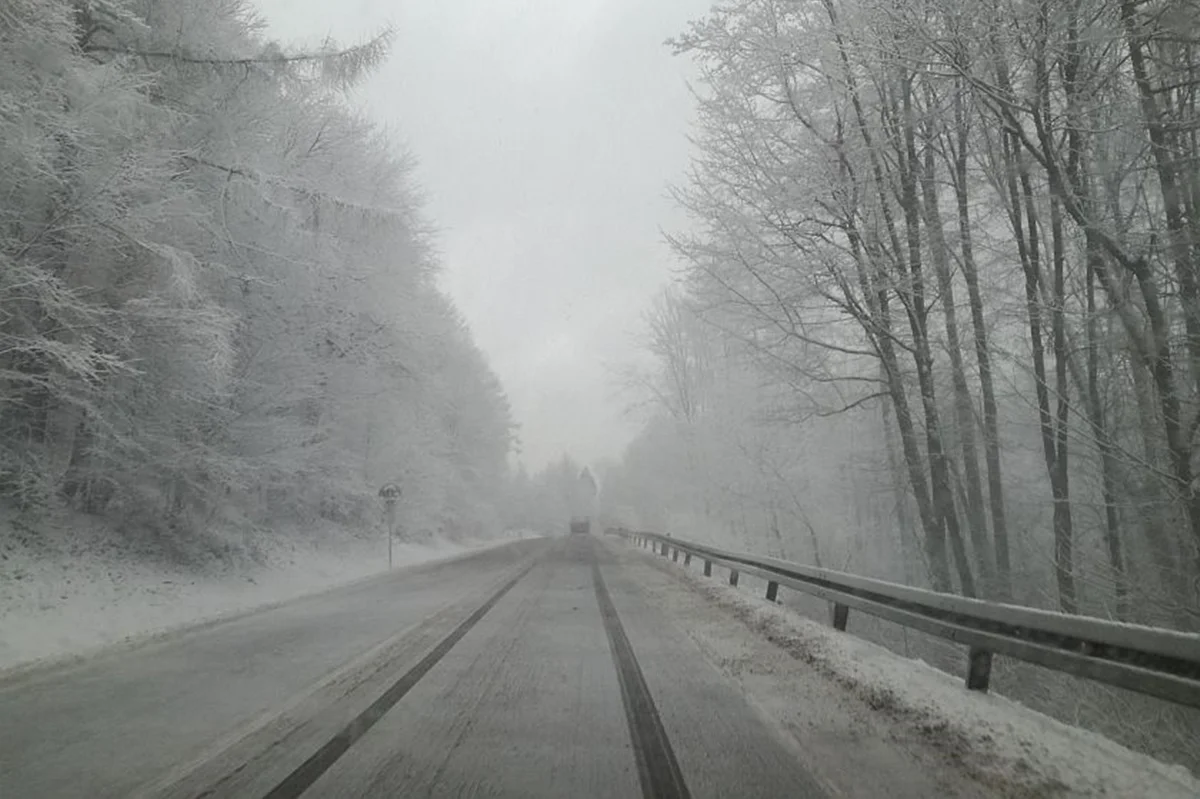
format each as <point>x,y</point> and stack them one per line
<point>546,132</point>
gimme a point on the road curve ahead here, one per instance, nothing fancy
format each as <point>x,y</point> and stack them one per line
<point>532,670</point>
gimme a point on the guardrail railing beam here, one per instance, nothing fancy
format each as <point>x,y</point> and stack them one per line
<point>1148,660</point>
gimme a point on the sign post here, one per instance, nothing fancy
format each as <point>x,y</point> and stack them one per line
<point>390,493</point>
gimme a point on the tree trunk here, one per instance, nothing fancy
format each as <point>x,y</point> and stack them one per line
<point>1153,503</point>
<point>1079,173</point>
<point>991,426</point>
<point>1064,533</point>
<point>932,516</point>
<point>911,273</point>
<point>909,550</point>
<point>879,327</point>
<point>1104,443</point>
<point>1180,247</point>
<point>964,416</point>
<point>1025,232</point>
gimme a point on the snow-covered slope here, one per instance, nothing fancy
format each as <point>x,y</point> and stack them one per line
<point>80,585</point>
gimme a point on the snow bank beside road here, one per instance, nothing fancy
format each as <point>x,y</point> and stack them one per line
<point>1003,744</point>
<point>63,601</point>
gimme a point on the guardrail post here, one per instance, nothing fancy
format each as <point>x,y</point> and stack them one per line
<point>664,550</point>
<point>675,555</point>
<point>979,670</point>
<point>772,590</point>
<point>733,576</point>
<point>840,615</point>
<point>707,567</point>
<point>687,558</point>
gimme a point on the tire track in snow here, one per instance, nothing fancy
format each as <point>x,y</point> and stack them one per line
<point>658,769</point>
<point>296,783</point>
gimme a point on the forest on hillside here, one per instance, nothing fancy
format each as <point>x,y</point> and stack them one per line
<point>939,312</point>
<point>219,307</point>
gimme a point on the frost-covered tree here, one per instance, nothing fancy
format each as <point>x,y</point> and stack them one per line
<point>949,250</point>
<point>218,300</point>
<point>972,221</point>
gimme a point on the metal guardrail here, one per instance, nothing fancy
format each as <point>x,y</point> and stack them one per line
<point>1149,660</point>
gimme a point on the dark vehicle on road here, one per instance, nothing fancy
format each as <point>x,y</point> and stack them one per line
<point>581,526</point>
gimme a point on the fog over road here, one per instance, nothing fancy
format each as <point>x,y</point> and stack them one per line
<point>536,669</point>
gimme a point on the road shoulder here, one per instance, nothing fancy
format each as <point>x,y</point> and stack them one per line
<point>872,723</point>
<point>67,635</point>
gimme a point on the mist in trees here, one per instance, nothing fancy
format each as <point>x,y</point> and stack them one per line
<point>218,299</point>
<point>938,319</point>
<point>547,500</point>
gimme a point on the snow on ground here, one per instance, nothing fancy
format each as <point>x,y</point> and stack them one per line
<point>89,588</point>
<point>1011,749</point>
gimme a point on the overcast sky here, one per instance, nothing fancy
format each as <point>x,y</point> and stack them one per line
<point>546,133</point>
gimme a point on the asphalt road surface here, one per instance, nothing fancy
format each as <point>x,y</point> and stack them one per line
<point>536,669</point>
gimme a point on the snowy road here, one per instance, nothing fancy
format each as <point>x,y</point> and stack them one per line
<point>532,670</point>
